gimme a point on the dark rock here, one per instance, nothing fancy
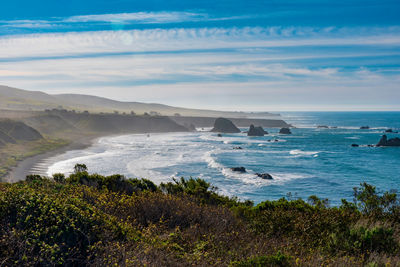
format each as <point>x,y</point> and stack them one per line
<point>388,142</point>
<point>237,147</point>
<point>265,176</point>
<point>364,127</point>
<point>285,131</point>
<point>223,125</point>
<point>389,131</point>
<point>323,127</point>
<point>219,135</point>
<point>256,131</point>
<point>238,169</point>
<point>333,127</point>
<point>354,145</point>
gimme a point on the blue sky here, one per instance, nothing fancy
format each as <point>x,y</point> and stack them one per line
<point>231,55</point>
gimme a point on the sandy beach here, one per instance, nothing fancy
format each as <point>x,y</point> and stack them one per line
<point>25,167</point>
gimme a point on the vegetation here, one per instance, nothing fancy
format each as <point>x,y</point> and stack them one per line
<point>89,219</point>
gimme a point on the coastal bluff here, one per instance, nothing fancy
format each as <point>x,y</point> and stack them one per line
<point>13,131</point>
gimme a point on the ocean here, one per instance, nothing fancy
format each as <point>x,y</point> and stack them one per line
<point>310,161</point>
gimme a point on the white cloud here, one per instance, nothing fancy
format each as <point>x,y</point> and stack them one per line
<point>208,77</point>
<point>178,39</point>
<point>142,17</point>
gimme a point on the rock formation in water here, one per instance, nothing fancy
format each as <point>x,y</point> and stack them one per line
<point>322,127</point>
<point>388,142</point>
<point>223,125</point>
<point>238,169</point>
<point>256,131</point>
<point>265,176</point>
<point>285,131</point>
<point>364,127</point>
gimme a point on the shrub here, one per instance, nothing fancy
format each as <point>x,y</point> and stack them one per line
<point>278,259</point>
<point>59,178</point>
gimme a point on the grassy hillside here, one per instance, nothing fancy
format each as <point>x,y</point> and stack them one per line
<point>17,99</point>
<point>103,221</point>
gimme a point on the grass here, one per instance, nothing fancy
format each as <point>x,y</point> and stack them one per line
<point>11,154</point>
<point>89,219</point>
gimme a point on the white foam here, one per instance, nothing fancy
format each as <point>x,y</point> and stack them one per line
<point>300,152</point>
<point>352,137</point>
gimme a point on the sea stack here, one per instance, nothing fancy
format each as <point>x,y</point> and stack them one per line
<point>388,142</point>
<point>256,131</point>
<point>222,125</point>
<point>285,131</point>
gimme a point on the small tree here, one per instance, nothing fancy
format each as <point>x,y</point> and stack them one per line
<point>78,168</point>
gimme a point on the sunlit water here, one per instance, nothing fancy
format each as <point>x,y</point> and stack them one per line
<point>309,161</point>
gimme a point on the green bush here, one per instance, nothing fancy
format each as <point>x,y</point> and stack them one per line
<point>90,219</point>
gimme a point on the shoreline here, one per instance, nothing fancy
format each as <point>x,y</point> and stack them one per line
<point>24,167</point>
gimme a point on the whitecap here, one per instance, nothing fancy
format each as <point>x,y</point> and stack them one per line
<point>300,152</point>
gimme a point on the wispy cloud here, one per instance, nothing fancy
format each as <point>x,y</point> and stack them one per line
<point>116,20</point>
<point>141,17</point>
<point>249,65</point>
<point>180,39</point>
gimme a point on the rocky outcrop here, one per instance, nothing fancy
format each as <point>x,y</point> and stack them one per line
<point>388,142</point>
<point>223,125</point>
<point>239,122</point>
<point>364,127</point>
<point>256,131</point>
<point>390,131</point>
<point>355,145</point>
<point>285,131</point>
<point>322,127</point>
<point>265,176</point>
<point>238,169</point>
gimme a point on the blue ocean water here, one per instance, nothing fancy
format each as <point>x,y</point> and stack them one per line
<point>310,161</point>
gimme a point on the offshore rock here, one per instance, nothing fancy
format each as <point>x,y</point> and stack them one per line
<point>223,125</point>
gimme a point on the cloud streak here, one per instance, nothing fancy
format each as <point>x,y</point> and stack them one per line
<point>178,39</point>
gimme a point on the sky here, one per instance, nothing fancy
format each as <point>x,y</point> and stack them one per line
<point>250,55</point>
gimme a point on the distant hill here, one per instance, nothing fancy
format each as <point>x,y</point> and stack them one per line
<point>17,99</point>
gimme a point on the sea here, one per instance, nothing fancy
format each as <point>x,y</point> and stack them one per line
<point>310,161</point>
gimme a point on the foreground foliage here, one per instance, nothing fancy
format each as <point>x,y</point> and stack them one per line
<point>89,219</point>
